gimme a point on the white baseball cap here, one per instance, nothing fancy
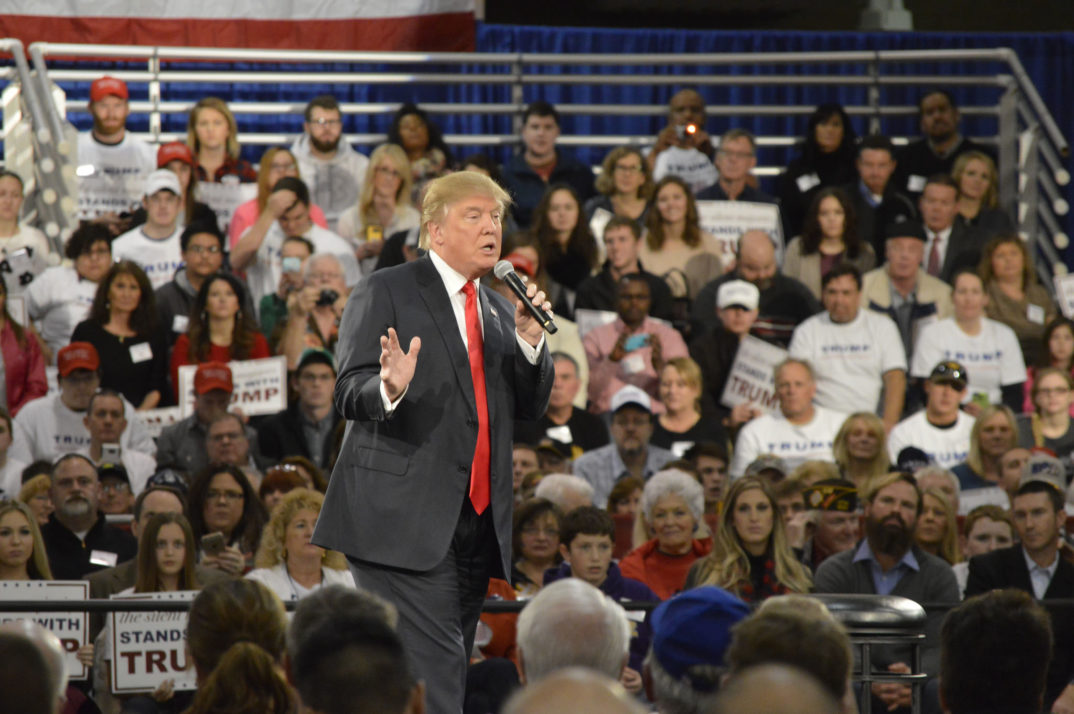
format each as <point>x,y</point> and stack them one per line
<point>738,293</point>
<point>631,395</point>
<point>162,180</point>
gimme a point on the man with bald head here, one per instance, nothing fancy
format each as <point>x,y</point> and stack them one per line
<point>683,148</point>
<point>575,689</point>
<point>774,689</point>
<point>784,304</point>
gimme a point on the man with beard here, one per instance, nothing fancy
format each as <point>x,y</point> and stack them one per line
<point>77,539</point>
<point>833,505</point>
<point>630,453</point>
<point>887,562</point>
<point>112,164</point>
<point>784,302</point>
<point>332,169</point>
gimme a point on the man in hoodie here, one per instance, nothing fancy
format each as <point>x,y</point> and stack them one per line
<point>329,166</point>
<point>587,539</point>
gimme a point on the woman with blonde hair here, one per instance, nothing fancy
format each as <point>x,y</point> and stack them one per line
<point>1015,297</point>
<point>978,195</point>
<point>936,532</point>
<point>860,449</point>
<point>624,185</point>
<point>34,494</point>
<point>286,561</point>
<point>750,556</point>
<point>276,163</point>
<point>681,426</point>
<point>22,551</point>
<point>213,135</point>
<point>383,207</point>
<point>995,432</point>
<point>675,247</point>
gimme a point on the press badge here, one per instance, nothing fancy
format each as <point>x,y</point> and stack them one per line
<point>180,323</point>
<point>916,184</point>
<point>807,182</point>
<point>560,433</point>
<point>141,352</point>
<point>1035,313</point>
<point>103,558</point>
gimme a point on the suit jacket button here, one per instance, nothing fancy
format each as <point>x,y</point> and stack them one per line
<point>464,470</point>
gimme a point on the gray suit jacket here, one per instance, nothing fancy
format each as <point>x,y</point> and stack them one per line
<point>398,485</point>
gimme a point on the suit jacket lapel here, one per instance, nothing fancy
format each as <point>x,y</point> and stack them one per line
<point>432,291</point>
<point>1062,584</point>
<point>494,337</point>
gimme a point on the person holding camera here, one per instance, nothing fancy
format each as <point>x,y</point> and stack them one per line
<point>272,310</point>
<point>683,148</point>
<point>313,311</point>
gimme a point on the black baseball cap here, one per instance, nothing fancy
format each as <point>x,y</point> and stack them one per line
<point>949,372</point>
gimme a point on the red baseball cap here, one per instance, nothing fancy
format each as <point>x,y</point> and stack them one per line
<point>212,375</point>
<point>77,355</point>
<point>174,151</point>
<point>521,263</point>
<point>108,86</point>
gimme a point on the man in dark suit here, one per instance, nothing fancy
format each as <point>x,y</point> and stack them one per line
<point>949,244</point>
<point>421,495</point>
<point>1036,566</point>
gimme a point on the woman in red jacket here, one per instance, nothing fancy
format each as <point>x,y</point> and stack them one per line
<point>24,363</point>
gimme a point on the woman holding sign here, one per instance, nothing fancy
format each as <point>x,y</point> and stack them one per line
<point>219,330</point>
<point>122,326</point>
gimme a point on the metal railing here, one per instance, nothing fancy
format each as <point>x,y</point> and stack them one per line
<point>1030,145</point>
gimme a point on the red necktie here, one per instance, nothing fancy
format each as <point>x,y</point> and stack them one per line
<point>475,345</point>
<point>934,257</point>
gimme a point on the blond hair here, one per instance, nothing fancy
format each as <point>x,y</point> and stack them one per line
<point>444,192</point>
<point>271,551</point>
<point>397,156</point>
<point>232,127</point>
<point>37,567</point>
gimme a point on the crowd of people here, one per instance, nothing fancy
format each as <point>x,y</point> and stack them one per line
<point>916,438</point>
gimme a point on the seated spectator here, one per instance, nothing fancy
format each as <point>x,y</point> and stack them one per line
<point>828,238</point>
<point>994,433</point>
<point>259,250</point>
<point>949,245</point>
<point>563,422</point>
<point>567,246</point>
<point>277,483</point>
<point>799,432</point>
<point>736,157</point>
<point>275,164</point>
<point>202,246</point>
<point>622,241</point>
<point>625,499</point>
<point>36,495</point>
<point>902,290</point>
<point>213,136</point>
<point>887,562</point>
<point>941,430</point>
<point>1038,515</point>
<point>931,476</point>
<point>587,540</point>
<point>55,424</point>
<point>182,445</point>
<point>308,426</point>
<point>314,310</point>
<point>61,297</point>
<point>539,165</point>
<point>10,469</point>
<point>227,442</point>
<point>675,247</point>
<point>715,351</point>
<point>122,327</point>
<point>978,196</point>
<point>574,689</point>
<point>106,424</point>
<point>424,144</point>
<point>937,151</point>
<point>672,506</point>
<point>691,632</point>
<point>1056,349</point>
<point>630,453</point>
<point>286,561</point>
<point>991,649</point>
<point>833,505</point>
<point>23,556</point>
<point>223,502</point>
<point>219,329</point>
<point>154,245</point>
<point>235,639</point>
<point>566,492</point>
<point>273,307</point>
<point>631,350</point>
<point>624,187</point>
<point>523,462</point>
<point>536,541</point>
<point>855,353</point>
<point>312,476</point>
<point>750,556</point>
<point>571,623</point>
<point>826,159</point>
<point>383,207</point>
<point>333,170</point>
<point>988,349</point>
<point>16,236</point>
<point>683,148</point>
<point>986,528</point>
<point>1015,297</point>
<point>175,156</point>
<point>29,683</point>
<point>681,425</point>
<point>937,526</point>
<point>1049,425</point>
<point>877,200</point>
<point>77,539</point>
<point>24,364</point>
<point>783,303</point>
<point>860,449</point>
<point>710,462</point>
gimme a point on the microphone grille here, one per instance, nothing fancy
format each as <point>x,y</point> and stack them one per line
<point>502,269</point>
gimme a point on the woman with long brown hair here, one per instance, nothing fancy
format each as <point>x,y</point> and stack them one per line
<point>675,247</point>
<point>276,163</point>
<point>1015,296</point>
<point>829,237</point>
<point>567,247</point>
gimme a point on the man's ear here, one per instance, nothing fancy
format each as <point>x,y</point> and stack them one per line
<point>566,553</point>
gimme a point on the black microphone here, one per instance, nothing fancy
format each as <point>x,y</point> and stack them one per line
<point>506,272</point>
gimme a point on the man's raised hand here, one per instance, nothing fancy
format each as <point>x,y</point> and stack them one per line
<point>396,366</point>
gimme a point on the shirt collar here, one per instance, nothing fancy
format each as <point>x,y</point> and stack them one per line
<point>453,279</point>
<point>864,552</point>
<point>1031,564</point>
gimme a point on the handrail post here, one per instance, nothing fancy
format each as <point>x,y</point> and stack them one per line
<point>1008,149</point>
<point>155,121</point>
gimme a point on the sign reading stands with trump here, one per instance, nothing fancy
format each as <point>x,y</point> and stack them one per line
<point>727,220</point>
<point>148,648</point>
<point>260,386</point>
<point>752,377</point>
<point>71,627</point>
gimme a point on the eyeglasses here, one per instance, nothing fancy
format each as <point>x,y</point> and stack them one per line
<point>628,169</point>
<point>537,530</point>
<point>118,487</point>
<point>326,122</point>
<point>199,249</point>
<point>232,496</point>
<point>227,436</point>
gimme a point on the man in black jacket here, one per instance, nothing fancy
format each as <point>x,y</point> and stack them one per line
<point>308,426</point>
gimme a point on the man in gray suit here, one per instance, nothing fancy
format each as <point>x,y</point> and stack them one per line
<point>421,495</point>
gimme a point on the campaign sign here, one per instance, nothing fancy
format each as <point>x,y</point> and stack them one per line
<point>751,378</point>
<point>727,220</point>
<point>260,386</point>
<point>148,648</point>
<point>156,420</point>
<point>1064,294</point>
<point>224,197</point>
<point>71,627</point>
